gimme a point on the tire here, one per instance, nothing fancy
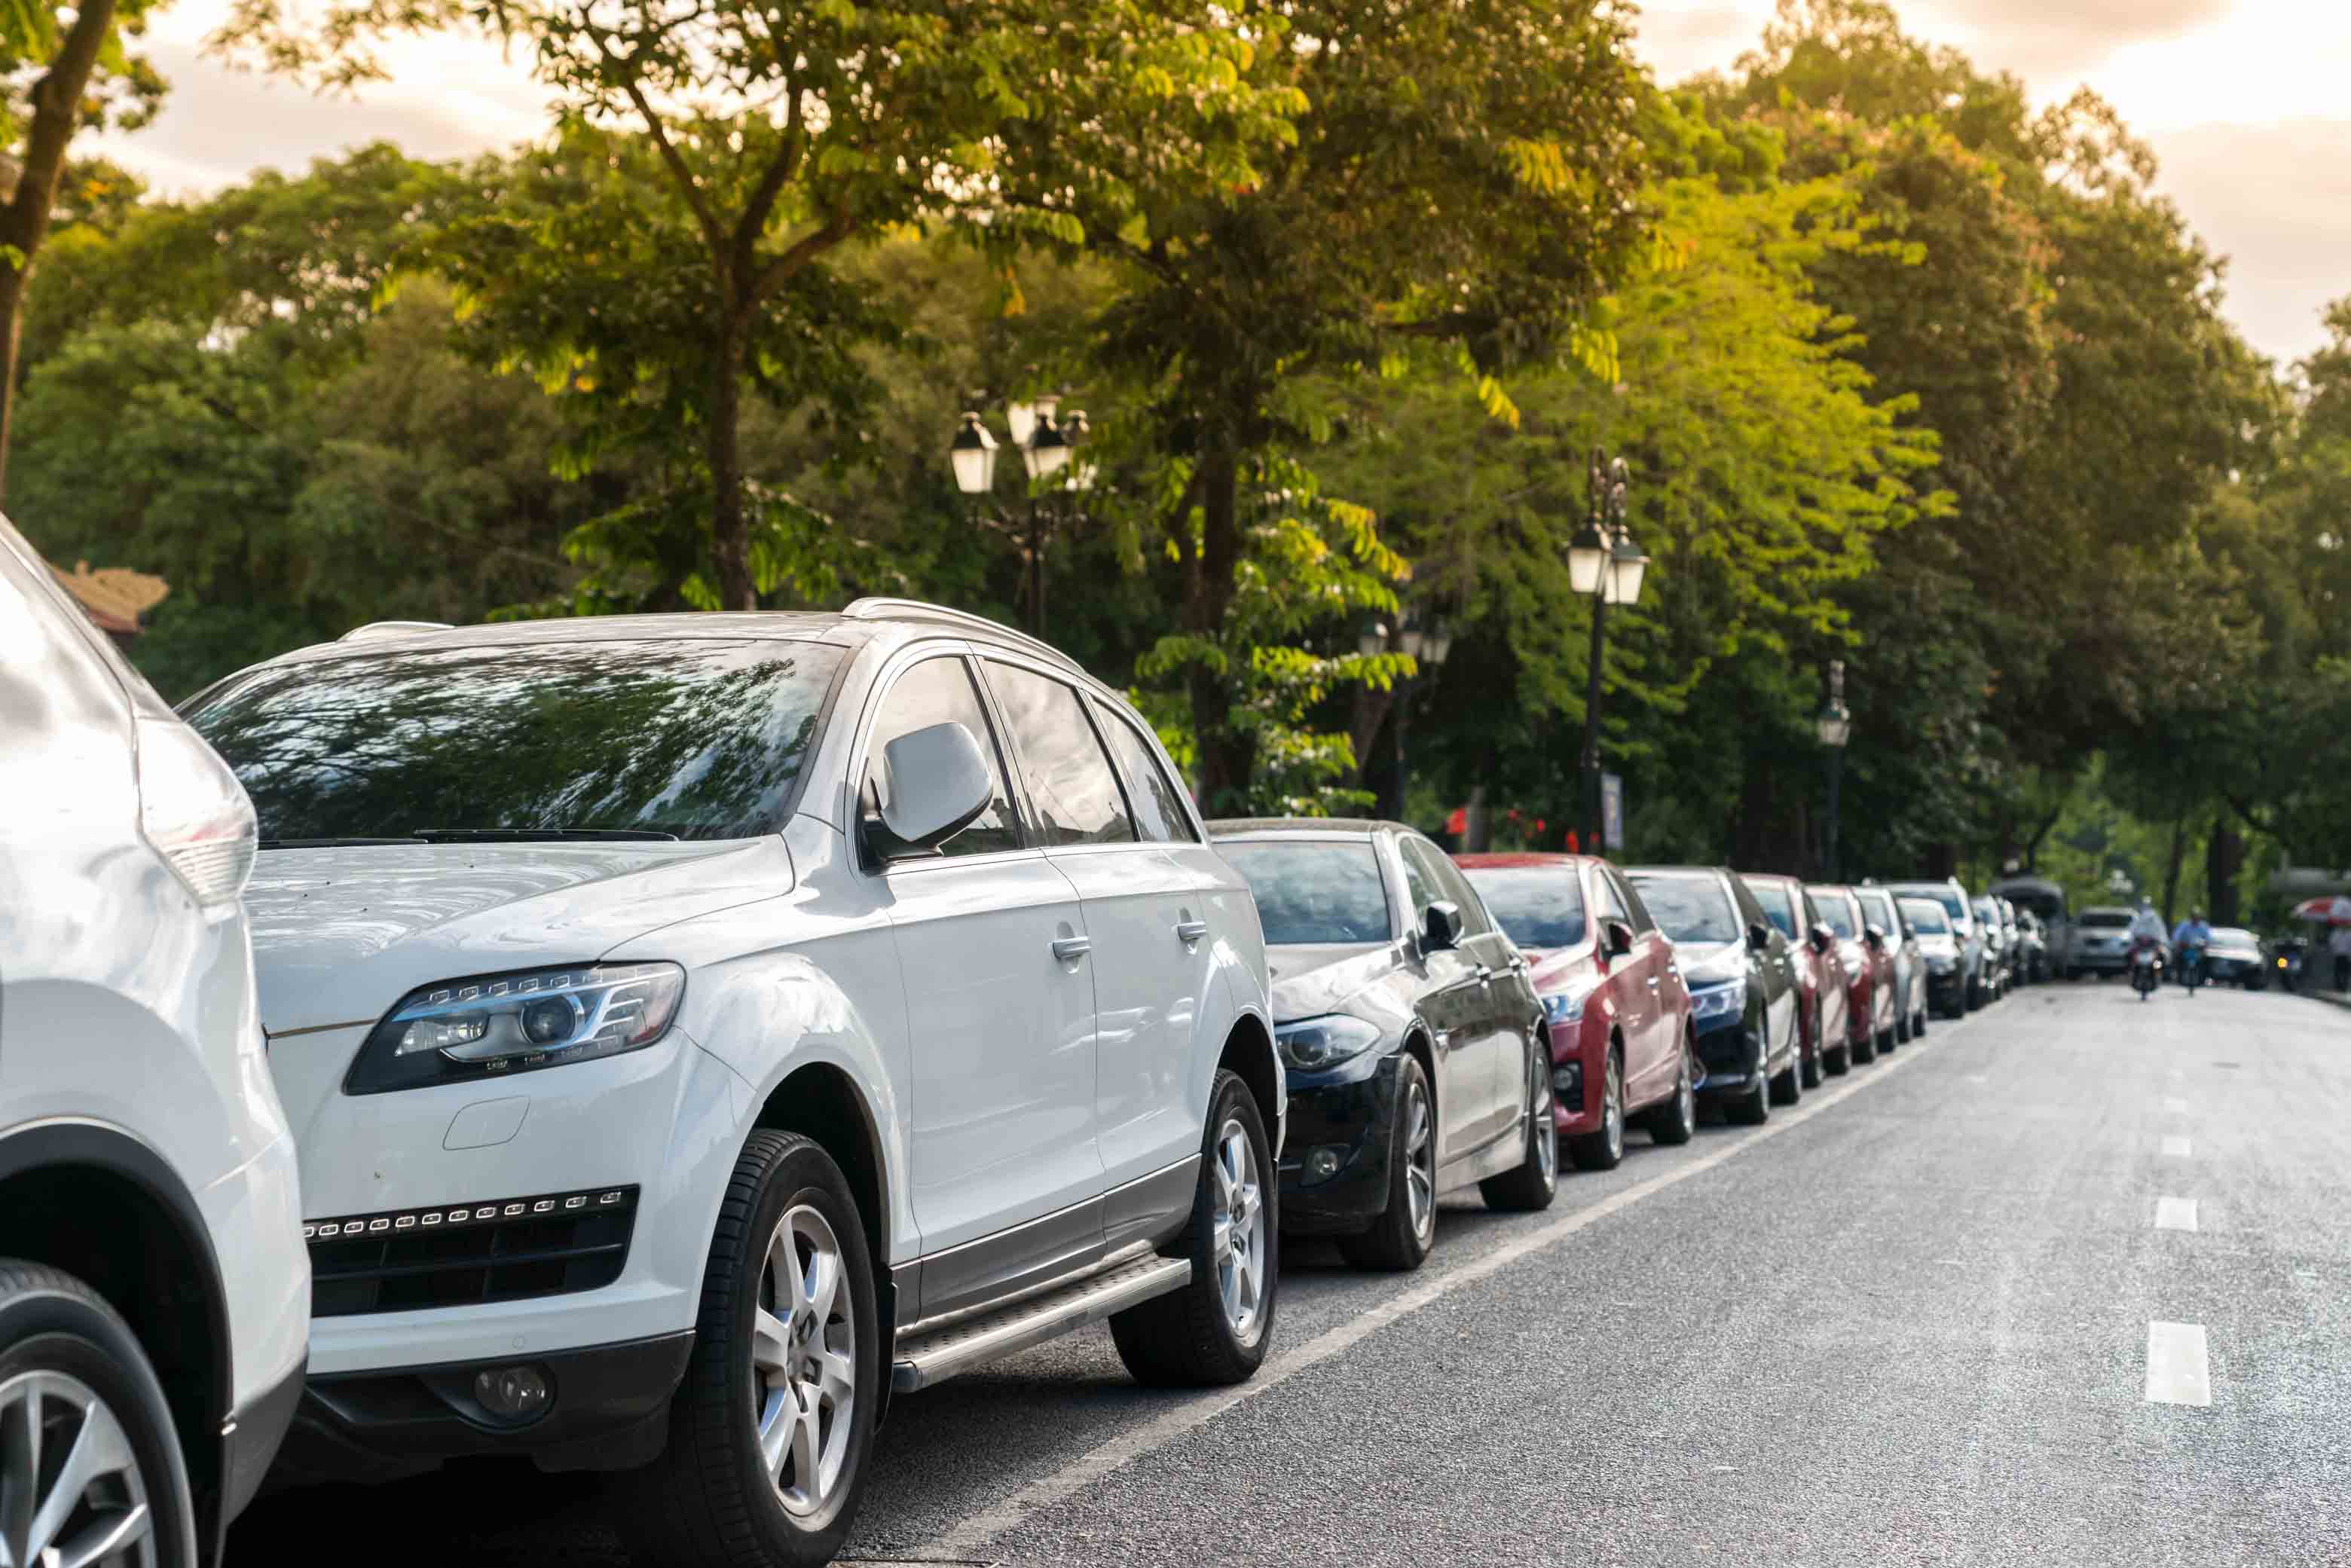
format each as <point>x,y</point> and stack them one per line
<point>1603,1149</point>
<point>1973,999</point>
<point>1533,1185</point>
<point>1918,1023</point>
<point>1901,1030</point>
<point>1886,1040</point>
<point>1214,1331</point>
<point>1753,1108</point>
<point>1837,1061</point>
<point>1399,1240</point>
<point>70,1363</point>
<point>1810,1076</point>
<point>713,1498</point>
<point>1788,1087</point>
<point>1865,1047</point>
<point>1676,1120</point>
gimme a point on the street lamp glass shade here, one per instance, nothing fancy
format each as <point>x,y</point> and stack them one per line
<point>1586,554</point>
<point>1626,567</point>
<point>973,452</point>
<point>1048,450</point>
<point>1836,727</point>
<point>1412,639</point>
<point>1022,418</point>
<point>1372,639</point>
<point>1440,643</point>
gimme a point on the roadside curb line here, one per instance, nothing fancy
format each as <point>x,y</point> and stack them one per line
<point>964,1541</point>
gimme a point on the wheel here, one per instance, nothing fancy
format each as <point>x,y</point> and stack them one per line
<point>1754,1107</point>
<point>1603,1148</point>
<point>1214,1330</point>
<point>1918,1023</point>
<point>1865,1047</point>
<point>1676,1120</point>
<point>1901,1029</point>
<point>1886,1040</point>
<point>1404,1232</point>
<point>1838,1060</point>
<point>1536,1181</point>
<point>1975,996</point>
<point>90,1467</point>
<point>1809,1078</point>
<point>771,1428</point>
<point>1788,1087</point>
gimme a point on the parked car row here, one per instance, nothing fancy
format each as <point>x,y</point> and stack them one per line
<point>693,1031</point>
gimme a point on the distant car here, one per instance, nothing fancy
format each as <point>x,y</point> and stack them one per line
<point>1883,911</point>
<point>2020,964</point>
<point>1417,1053</point>
<point>2046,902</point>
<point>1742,979</point>
<point>2102,941</point>
<point>1938,949</point>
<point>1870,965</point>
<point>2032,946</point>
<point>1999,974</point>
<point>1824,1010</point>
<point>2235,955</point>
<point>1966,931</point>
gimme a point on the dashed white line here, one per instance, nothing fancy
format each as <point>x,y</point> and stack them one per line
<point>2176,1146</point>
<point>2175,1214</point>
<point>2179,1371</point>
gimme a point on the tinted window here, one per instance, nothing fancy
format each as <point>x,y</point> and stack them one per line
<point>939,691</point>
<point>700,738</point>
<point>1539,907</point>
<point>1926,917</point>
<point>1452,886</point>
<point>1158,807</point>
<point>2107,920</point>
<point>1689,908</point>
<point>1877,909</point>
<point>1778,907</point>
<point>1070,785</point>
<point>1837,909</point>
<point>1420,891</point>
<point>1314,892</point>
<point>1987,912</point>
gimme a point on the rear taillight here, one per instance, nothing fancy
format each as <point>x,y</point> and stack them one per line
<point>195,814</point>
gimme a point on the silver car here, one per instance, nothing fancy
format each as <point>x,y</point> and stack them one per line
<point>1884,913</point>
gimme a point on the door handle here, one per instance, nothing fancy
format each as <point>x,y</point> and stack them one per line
<point>1652,982</point>
<point>1485,976</point>
<point>1070,949</point>
<point>1190,931</point>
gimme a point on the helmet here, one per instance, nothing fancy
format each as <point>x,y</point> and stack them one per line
<point>2194,914</point>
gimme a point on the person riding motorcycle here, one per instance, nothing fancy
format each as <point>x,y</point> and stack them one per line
<point>2146,936</point>
<point>2189,940</point>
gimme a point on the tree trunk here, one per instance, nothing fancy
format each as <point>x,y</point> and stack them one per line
<point>1225,758</point>
<point>730,530</point>
<point>57,100</point>
<point>2172,868</point>
<point>2222,858</point>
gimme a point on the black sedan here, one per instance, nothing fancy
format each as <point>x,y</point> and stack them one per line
<point>1413,1041</point>
<point>1742,981</point>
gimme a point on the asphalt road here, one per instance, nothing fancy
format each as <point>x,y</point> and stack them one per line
<point>2069,1282</point>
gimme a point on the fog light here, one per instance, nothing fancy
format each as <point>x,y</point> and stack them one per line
<point>1322,1161</point>
<point>1567,1082</point>
<point>513,1393</point>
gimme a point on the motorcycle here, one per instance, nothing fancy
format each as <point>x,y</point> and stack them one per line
<point>2146,966</point>
<point>2191,967</point>
<point>2288,960</point>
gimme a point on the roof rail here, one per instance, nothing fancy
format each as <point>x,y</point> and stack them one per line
<point>878,609</point>
<point>375,629</point>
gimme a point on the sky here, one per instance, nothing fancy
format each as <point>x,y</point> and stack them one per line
<point>2246,102</point>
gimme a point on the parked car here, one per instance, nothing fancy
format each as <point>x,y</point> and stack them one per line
<point>1622,1047</point>
<point>2235,955</point>
<point>154,1296</point>
<point>1418,1056</point>
<point>2020,967</point>
<point>697,1027</point>
<point>1741,974</point>
<point>2045,901</point>
<point>1823,1007</point>
<point>1967,934</point>
<point>1938,949</point>
<point>1884,913</point>
<point>2101,941</point>
<point>1868,966</point>
<point>1998,972</point>
<point>2032,948</point>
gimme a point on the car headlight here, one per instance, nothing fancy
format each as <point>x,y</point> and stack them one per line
<point>1310,1045</point>
<point>502,1024</point>
<point>1719,1001</point>
<point>1567,1006</point>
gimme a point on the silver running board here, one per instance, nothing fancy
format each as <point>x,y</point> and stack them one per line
<point>936,1356</point>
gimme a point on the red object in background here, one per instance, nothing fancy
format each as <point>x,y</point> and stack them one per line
<point>1574,845</point>
<point>1458,824</point>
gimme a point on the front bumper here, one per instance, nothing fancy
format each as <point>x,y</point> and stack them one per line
<point>250,1440</point>
<point>610,1410</point>
<point>1730,1058</point>
<point>1345,1115</point>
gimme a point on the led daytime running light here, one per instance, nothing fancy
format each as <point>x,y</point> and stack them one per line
<point>450,1216</point>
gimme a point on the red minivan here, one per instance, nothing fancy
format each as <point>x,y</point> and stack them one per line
<point>1613,997</point>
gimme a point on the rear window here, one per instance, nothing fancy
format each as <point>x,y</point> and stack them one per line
<point>2107,920</point>
<point>1926,917</point>
<point>1538,906</point>
<point>1688,908</point>
<point>1314,893</point>
<point>1837,912</point>
<point>1778,907</point>
<point>689,738</point>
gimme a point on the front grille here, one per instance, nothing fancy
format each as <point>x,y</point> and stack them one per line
<point>456,1254</point>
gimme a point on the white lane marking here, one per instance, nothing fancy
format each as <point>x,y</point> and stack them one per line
<point>2178,1372</point>
<point>2176,1146</point>
<point>2175,1105</point>
<point>974,1533</point>
<point>2175,1214</point>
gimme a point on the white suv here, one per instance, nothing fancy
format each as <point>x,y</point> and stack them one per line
<point>154,1293</point>
<point>696,1027</point>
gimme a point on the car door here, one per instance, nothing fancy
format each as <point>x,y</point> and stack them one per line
<point>1451,996</point>
<point>1627,982</point>
<point>1508,1000</point>
<point>1655,1054</point>
<point>1006,1176</point>
<point>1778,965</point>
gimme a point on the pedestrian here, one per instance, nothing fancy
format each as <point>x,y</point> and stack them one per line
<point>2339,944</point>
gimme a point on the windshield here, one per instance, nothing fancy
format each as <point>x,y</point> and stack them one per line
<point>1314,892</point>
<point>1987,912</point>
<point>1836,909</point>
<point>689,737</point>
<point>1688,908</point>
<point>1778,907</point>
<point>1538,906</point>
<point>1926,917</point>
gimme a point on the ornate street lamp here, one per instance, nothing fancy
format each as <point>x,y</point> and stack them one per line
<point>1047,446</point>
<point>1835,725</point>
<point>1603,563</point>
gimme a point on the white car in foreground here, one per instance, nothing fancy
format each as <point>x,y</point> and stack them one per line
<point>154,1293</point>
<point>697,1026</point>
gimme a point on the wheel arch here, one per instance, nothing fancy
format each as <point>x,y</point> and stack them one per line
<point>820,1101</point>
<point>1248,1054</point>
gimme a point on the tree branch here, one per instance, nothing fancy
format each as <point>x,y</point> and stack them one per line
<point>779,171</point>
<point>798,254</point>
<point>672,157</point>
<point>57,111</point>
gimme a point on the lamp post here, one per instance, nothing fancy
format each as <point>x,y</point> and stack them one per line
<point>1835,728</point>
<point>1603,563</point>
<point>1424,635</point>
<point>1047,445</point>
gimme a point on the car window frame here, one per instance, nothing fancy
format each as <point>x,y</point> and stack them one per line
<point>984,654</point>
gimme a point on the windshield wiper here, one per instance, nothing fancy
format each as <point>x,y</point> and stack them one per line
<point>332,844</point>
<point>538,835</point>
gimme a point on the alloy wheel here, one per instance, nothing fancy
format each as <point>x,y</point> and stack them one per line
<point>804,1358</point>
<point>70,1488</point>
<point>1420,1165</point>
<point>1546,1122</point>
<point>1688,1094</point>
<point>1612,1108</point>
<point>1237,1208</point>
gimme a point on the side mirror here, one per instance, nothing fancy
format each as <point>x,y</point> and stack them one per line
<point>1615,938</point>
<point>1821,938</point>
<point>1440,927</point>
<point>939,783</point>
<point>1759,936</point>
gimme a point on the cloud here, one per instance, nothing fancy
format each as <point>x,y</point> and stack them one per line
<point>2053,43</point>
